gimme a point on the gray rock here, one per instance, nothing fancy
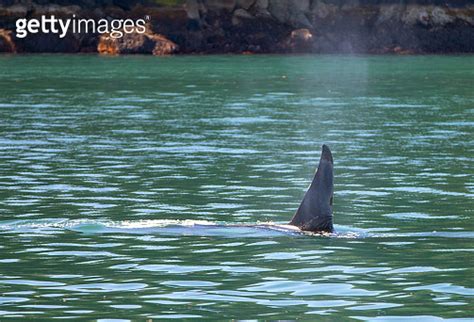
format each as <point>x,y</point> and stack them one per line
<point>415,14</point>
<point>260,9</point>
<point>239,15</point>
<point>228,5</point>
<point>301,5</point>
<point>389,13</point>
<point>192,9</point>
<point>440,17</point>
<point>18,10</point>
<point>245,4</point>
<point>261,4</point>
<point>323,10</point>
<point>290,12</point>
<point>279,9</point>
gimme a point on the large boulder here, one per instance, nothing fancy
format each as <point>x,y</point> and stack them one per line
<point>291,12</point>
<point>260,9</point>
<point>240,15</point>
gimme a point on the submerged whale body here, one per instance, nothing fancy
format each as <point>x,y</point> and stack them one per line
<point>315,211</point>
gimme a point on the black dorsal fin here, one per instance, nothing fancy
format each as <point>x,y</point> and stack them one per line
<point>315,211</point>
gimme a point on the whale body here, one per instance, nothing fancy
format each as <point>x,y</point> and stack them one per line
<point>315,211</point>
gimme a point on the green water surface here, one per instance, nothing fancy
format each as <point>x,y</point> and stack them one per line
<point>121,179</point>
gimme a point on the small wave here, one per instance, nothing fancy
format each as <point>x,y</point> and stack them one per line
<point>207,228</point>
<point>170,227</point>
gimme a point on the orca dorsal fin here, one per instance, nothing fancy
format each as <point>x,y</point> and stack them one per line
<point>315,211</point>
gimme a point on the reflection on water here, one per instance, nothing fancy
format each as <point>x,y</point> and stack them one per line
<point>146,188</point>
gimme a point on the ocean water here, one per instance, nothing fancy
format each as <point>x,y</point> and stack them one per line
<point>130,187</point>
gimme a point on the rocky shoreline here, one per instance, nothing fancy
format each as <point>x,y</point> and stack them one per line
<point>252,26</point>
